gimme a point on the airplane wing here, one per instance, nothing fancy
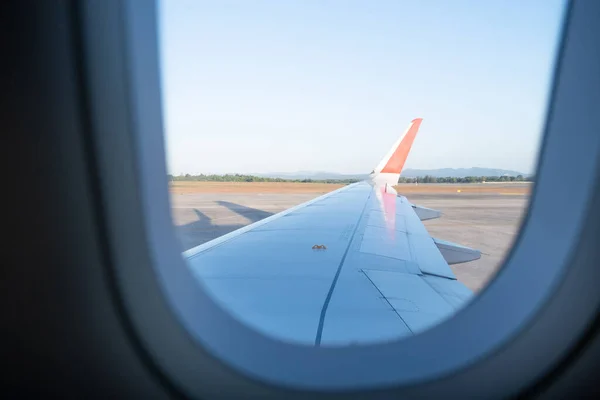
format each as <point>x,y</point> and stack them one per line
<point>353,266</point>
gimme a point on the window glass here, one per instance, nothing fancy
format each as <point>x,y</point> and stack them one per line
<point>272,104</point>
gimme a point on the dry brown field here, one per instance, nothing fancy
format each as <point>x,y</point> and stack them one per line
<point>251,187</point>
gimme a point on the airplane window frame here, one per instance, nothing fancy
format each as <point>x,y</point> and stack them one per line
<point>199,347</point>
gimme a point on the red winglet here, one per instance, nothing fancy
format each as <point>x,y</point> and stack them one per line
<point>397,160</point>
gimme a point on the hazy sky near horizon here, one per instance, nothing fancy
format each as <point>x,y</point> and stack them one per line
<point>283,86</point>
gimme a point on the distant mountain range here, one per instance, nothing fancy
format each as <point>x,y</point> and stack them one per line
<point>408,173</point>
<point>460,172</point>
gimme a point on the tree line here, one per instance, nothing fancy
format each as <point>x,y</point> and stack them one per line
<point>466,179</point>
<point>249,178</point>
<point>423,179</point>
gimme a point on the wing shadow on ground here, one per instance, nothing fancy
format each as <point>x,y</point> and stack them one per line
<point>252,214</point>
<point>204,228</point>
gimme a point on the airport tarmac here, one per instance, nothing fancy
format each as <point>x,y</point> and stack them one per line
<point>488,222</point>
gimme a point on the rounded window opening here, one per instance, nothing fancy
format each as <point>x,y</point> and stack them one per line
<point>352,173</point>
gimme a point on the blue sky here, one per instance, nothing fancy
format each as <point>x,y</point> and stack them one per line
<point>264,86</point>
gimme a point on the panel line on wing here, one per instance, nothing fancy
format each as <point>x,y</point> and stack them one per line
<point>337,275</point>
<point>387,301</point>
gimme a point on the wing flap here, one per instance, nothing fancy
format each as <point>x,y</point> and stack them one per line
<point>415,302</point>
<point>427,256</point>
<point>455,253</point>
<point>425,213</point>
<point>379,241</point>
<point>455,293</point>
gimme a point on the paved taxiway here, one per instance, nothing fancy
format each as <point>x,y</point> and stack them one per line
<point>488,222</point>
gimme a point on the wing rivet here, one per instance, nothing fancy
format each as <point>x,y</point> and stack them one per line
<point>319,247</point>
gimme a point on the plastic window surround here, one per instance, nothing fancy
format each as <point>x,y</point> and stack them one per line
<point>202,350</point>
